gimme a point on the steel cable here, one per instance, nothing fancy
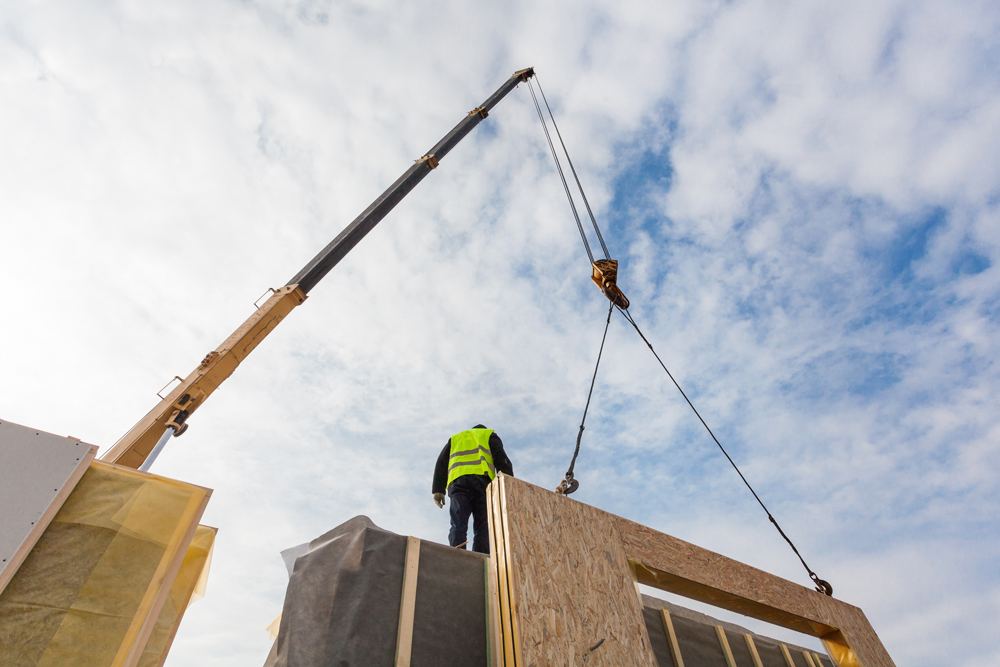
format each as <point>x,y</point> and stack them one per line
<point>593,220</point>
<point>562,176</point>
<point>579,435</point>
<point>821,585</point>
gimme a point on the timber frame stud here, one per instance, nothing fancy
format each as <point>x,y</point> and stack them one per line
<point>566,575</point>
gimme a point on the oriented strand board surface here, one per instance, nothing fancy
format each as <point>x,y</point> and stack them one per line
<point>572,583</point>
<point>569,568</point>
<point>700,574</point>
<point>37,472</point>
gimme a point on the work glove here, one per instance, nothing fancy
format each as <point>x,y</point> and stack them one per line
<point>439,499</point>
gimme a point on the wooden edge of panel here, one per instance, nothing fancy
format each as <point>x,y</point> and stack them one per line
<point>499,575</point>
<point>515,635</point>
<point>46,518</point>
<point>495,641</point>
<point>675,648</point>
<point>133,650</point>
<point>180,614</point>
<point>407,603</point>
<point>491,609</point>
<point>809,659</point>
<point>505,568</point>
<point>753,651</point>
<point>786,655</point>
<point>724,643</point>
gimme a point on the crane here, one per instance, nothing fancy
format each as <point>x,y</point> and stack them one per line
<point>139,447</point>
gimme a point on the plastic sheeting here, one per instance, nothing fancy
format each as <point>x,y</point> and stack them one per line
<point>342,606</point>
<point>658,639</point>
<point>698,643</point>
<point>739,648</point>
<point>450,625</point>
<point>342,603</point>
<point>83,594</point>
<point>189,586</point>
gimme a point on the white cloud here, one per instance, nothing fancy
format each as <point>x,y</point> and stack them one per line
<point>803,198</point>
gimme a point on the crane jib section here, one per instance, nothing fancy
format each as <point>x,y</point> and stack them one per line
<point>175,408</point>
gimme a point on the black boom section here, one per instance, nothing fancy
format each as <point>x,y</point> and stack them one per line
<point>335,251</point>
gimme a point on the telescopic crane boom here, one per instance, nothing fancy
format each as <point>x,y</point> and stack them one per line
<point>138,447</point>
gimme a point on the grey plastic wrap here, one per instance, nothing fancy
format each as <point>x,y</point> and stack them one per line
<point>698,643</point>
<point>449,625</point>
<point>739,648</point>
<point>343,601</point>
<point>658,637</point>
<point>769,652</point>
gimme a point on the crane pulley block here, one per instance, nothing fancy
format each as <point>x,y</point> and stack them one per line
<point>605,276</point>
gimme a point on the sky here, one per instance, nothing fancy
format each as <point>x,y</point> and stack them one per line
<point>804,198</point>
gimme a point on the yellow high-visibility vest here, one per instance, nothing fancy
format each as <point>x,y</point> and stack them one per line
<point>470,454</point>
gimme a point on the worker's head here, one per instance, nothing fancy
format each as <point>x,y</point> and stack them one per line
<point>478,426</point>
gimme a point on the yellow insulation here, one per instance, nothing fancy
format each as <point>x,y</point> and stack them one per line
<point>82,596</point>
<point>188,587</point>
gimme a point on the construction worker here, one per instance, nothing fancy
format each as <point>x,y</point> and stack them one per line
<point>466,466</point>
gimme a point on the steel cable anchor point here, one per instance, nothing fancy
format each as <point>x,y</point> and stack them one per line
<point>568,485</point>
<point>821,585</point>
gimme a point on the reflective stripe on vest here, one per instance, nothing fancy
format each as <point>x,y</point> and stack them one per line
<point>470,454</point>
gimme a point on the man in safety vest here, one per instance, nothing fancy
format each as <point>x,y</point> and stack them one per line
<point>466,466</point>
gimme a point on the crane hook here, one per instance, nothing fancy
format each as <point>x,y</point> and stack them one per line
<point>605,276</point>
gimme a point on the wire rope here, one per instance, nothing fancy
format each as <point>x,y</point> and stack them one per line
<point>570,484</point>
<point>593,220</point>
<point>821,585</point>
<point>579,435</point>
<point>562,176</point>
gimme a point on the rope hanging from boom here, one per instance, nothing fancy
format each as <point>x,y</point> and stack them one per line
<point>605,276</point>
<point>570,483</point>
<point>605,271</point>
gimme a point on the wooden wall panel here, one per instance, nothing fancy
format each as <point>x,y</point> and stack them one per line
<point>572,583</point>
<point>571,570</point>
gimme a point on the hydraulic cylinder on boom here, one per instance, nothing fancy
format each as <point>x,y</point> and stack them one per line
<point>139,447</point>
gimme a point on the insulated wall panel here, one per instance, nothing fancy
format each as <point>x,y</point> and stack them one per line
<point>91,589</point>
<point>37,472</point>
<point>449,625</point>
<point>565,582</point>
<point>565,574</point>
<point>658,638</point>
<point>188,587</point>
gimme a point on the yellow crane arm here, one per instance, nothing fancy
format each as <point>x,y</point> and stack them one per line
<point>169,416</point>
<point>188,396</point>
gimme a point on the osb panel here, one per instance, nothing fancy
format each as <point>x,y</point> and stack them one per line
<point>694,569</point>
<point>572,583</point>
<point>570,568</point>
<point>689,570</point>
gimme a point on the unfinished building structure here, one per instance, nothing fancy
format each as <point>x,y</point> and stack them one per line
<point>560,589</point>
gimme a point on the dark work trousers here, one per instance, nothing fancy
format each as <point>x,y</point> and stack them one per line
<point>468,496</point>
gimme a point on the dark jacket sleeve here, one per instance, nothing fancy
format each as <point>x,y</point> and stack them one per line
<point>441,468</point>
<point>500,460</point>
